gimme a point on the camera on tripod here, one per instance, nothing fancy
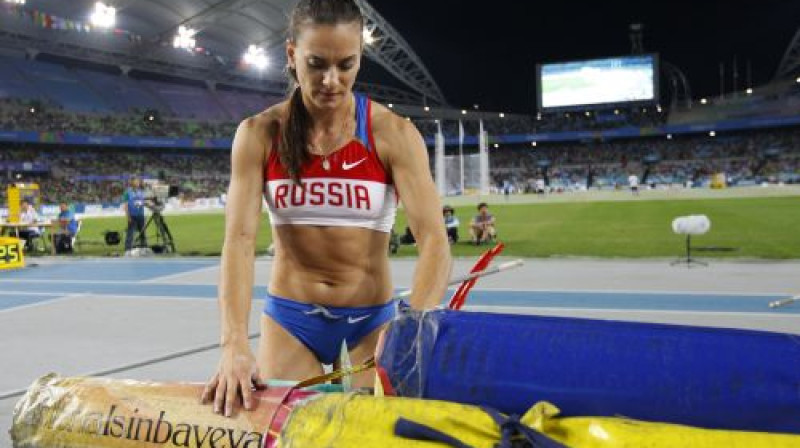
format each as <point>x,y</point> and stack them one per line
<point>156,195</point>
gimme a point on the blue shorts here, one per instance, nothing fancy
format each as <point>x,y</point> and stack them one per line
<point>323,328</point>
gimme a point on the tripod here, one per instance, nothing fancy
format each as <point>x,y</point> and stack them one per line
<point>164,240</point>
<point>689,261</point>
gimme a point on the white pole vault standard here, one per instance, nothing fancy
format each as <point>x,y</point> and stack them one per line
<point>483,145</point>
<point>784,302</point>
<point>441,180</point>
<point>467,277</point>
<point>461,153</point>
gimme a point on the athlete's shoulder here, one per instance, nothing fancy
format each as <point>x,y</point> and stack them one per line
<point>387,125</point>
<point>256,133</point>
<point>267,122</point>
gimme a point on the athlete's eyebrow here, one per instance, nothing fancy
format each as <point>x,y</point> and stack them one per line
<point>350,58</point>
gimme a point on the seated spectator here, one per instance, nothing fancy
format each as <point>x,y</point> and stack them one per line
<point>451,224</point>
<point>28,215</point>
<point>67,223</point>
<point>482,227</point>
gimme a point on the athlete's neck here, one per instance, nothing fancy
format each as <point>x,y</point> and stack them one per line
<point>329,121</point>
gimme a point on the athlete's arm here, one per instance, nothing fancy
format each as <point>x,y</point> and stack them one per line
<point>408,160</point>
<point>237,371</point>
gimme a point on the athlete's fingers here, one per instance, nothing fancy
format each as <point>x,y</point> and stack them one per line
<point>208,391</point>
<point>230,397</point>
<point>219,397</point>
<point>247,393</point>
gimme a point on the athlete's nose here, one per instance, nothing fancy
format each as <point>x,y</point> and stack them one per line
<point>329,77</point>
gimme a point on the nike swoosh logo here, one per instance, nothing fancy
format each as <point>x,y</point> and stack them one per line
<point>322,310</point>
<point>355,320</point>
<point>349,166</point>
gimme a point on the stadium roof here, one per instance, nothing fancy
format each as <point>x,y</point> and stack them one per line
<point>228,26</point>
<point>225,29</point>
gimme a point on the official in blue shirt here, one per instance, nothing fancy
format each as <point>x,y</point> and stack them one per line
<point>66,220</point>
<point>133,204</point>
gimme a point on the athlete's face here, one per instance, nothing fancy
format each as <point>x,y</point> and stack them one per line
<point>326,59</point>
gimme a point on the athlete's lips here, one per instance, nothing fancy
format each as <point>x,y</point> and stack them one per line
<point>329,94</point>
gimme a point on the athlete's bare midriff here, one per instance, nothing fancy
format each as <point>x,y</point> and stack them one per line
<point>334,266</point>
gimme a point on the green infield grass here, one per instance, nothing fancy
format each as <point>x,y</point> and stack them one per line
<point>767,228</point>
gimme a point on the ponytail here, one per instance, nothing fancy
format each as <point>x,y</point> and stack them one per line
<point>293,147</point>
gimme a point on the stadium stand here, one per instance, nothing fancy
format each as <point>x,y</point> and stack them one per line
<point>746,158</point>
<point>43,97</point>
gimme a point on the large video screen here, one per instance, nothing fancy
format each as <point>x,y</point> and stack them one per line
<point>597,82</point>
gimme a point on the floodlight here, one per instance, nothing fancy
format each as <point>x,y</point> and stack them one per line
<point>366,33</point>
<point>185,38</point>
<point>104,16</point>
<point>712,134</point>
<point>255,57</point>
<point>749,91</point>
<point>502,115</point>
<point>703,101</point>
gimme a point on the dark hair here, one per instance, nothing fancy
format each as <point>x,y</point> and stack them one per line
<point>292,150</point>
<point>483,204</point>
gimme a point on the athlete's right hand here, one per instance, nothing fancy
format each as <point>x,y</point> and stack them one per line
<point>237,375</point>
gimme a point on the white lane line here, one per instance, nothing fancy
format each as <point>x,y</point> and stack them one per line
<point>146,296</point>
<point>101,296</point>
<point>167,278</point>
<point>66,281</point>
<point>58,298</point>
<point>27,293</point>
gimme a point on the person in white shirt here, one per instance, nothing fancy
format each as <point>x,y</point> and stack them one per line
<point>633,182</point>
<point>540,186</point>
<point>28,215</point>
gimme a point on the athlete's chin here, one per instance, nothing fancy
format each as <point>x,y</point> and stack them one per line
<point>329,100</point>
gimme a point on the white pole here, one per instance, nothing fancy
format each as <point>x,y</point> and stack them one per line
<point>441,180</point>
<point>461,152</point>
<point>483,140</point>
